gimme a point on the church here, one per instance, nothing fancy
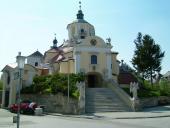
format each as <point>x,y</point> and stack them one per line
<point>83,52</point>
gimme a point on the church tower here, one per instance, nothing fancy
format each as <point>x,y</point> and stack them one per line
<point>80,28</point>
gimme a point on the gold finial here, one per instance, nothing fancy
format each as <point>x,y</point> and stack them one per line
<point>80,5</point>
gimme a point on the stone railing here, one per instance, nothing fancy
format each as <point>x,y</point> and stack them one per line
<point>133,104</point>
<point>81,103</point>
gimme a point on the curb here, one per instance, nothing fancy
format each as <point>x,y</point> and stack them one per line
<point>105,117</point>
<point>142,117</point>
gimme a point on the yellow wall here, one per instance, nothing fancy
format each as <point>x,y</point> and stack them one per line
<point>56,67</point>
<point>85,58</point>
<point>67,67</point>
<point>72,66</point>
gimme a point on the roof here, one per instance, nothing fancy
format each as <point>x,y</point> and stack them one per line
<point>12,65</point>
<point>67,49</point>
<point>126,78</point>
<point>57,58</point>
<point>166,74</point>
<point>37,54</point>
<point>54,50</point>
<point>80,21</point>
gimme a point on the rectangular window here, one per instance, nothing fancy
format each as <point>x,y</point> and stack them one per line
<point>93,59</point>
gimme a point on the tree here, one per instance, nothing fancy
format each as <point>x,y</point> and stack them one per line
<point>147,56</point>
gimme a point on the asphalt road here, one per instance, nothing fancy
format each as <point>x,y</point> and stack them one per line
<point>51,121</point>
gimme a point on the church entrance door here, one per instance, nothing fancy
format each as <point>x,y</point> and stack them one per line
<point>94,80</point>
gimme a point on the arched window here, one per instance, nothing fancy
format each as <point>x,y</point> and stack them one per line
<point>93,59</point>
<point>82,30</point>
<point>82,33</point>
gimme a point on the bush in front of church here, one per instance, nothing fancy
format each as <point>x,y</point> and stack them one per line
<point>53,84</point>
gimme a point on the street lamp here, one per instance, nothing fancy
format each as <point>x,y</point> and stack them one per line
<point>68,83</point>
<point>20,62</point>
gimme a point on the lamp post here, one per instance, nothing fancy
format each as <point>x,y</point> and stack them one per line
<point>20,62</point>
<point>68,83</point>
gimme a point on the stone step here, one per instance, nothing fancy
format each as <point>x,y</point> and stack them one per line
<point>105,110</point>
<point>103,103</point>
<point>116,108</point>
<point>106,107</point>
<point>88,109</point>
<point>103,100</point>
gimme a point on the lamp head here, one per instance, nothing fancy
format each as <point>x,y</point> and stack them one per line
<point>20,61</point>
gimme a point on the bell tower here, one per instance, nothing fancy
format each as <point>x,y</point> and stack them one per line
<point>80,28</point>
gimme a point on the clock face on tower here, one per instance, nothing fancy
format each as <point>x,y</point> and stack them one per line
<point>93,42</point>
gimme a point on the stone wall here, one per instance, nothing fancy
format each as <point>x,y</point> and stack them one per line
<point>54,103</point>
<point>149,102</point>
<point>163,100</point>
<point>154,101</point>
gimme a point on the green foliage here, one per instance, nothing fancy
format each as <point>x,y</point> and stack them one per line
<point>75,94</point>
<point>147,56</point>
<point>40,84</point>
<point>157,89</point>
<point>57,83</point>
<point>1,85</point>
<point>165,87</point>
<point>148,93</point>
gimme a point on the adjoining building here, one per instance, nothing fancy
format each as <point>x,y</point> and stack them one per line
<point>10,77</point>
<point>167,76</point>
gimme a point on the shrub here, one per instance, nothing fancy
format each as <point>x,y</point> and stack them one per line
<point>57,83</point>
<point>157,89</point>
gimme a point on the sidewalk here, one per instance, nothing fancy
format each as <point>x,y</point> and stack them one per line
<point>5,113</point>
<point>155,112</point>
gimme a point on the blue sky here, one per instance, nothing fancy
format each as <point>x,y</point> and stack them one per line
<point>28,25</point>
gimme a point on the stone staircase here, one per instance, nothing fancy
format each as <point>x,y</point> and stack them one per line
<point>103,100</point>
